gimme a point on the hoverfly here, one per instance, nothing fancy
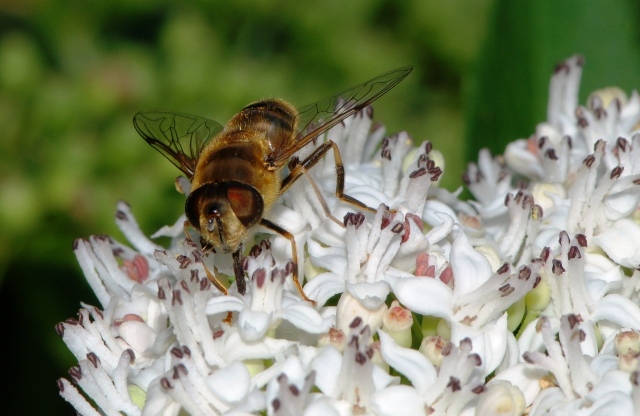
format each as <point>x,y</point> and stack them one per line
<point>239,171</point>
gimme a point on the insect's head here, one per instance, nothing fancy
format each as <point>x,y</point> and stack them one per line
<point>223,212</point>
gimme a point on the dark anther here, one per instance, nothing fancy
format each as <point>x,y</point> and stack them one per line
<point>75,372</point>
<point>574,320</point>
<point>356,322</point>
<point>418,173</point>
<point>537,282</point>
<point>477,359</point>
<point>541,142</point>
<point>581,239</point>
<point>131,354</point>
<point>588,161</point>
<point>245,264</point>
<point>397,229</point>
<point>506,290</point>
<point>562,66</point>
<point>551,154</point>
<point>177,298</point>
<point>479,389</point>
<point>524,274</point>
<point>622,144</point>
<point>361,358</point>
<point>616,172</point>
<point>557,267</point>
<point>164,382</point>
<point>574,252</point>
<point>454,383</point>
<point>179,370</point>
<point>176,352</point>
<point>255,251</point>
<point>93,359</point>
<point>76,243</point>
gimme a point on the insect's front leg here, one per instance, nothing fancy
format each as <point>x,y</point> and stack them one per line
<point>210,275</point>
<point>238,271</point>
<point>294,253</point>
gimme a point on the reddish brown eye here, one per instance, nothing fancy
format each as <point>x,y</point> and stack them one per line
<point>246,203</point>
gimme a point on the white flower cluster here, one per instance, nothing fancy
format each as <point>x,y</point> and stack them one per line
<point>524,300</point>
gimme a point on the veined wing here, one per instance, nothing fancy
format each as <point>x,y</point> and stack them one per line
<point>179,137</point>
<point>314,119</point>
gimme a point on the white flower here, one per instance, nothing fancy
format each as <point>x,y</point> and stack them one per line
<point>266,305</point>
<point>524,300</point>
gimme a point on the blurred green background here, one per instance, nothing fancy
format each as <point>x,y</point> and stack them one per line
<point>73,73</point>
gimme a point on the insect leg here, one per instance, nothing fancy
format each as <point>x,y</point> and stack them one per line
<point>210,275</point>
<point>323,202</point>
<point>294,252</point>
<point>237,270</point>
<point>311,161</point>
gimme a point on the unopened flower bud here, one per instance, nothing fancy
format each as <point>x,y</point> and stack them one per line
<point>539,297</point>
<point>397,323</point>
<point>542,193</point>
<point>627,342</point>
<point>334,337</point>
<point>431,347</point>
<point>350,308</point>
<point>501,398</point>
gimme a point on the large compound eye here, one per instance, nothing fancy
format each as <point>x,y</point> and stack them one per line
<point>246,203</point>
<point>207,201</point>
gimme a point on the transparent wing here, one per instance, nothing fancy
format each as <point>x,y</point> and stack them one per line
<point>179,137</point>
<point>318,117</point>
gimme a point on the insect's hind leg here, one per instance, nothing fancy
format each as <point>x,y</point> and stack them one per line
<point>311,161</point>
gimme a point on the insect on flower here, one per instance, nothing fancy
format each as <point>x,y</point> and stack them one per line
<point>239,171</point>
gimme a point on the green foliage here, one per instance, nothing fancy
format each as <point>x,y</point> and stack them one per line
<point>525,41</point>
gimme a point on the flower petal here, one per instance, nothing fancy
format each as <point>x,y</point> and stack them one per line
<point>470,268</point>
<point>230,383</point>
<point>619,309</point>
<point>253,324</point>
<point>223,304</point>
<point>411,363</point>
<point>423,295</point>
<point>306,318</point>
<point>621,242</point>
<point>526,377</point>
<point>397,400</point>
<point>490,342</point>
<point>324,286</point>
<point>327,367</point>
<point>370,295</point>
